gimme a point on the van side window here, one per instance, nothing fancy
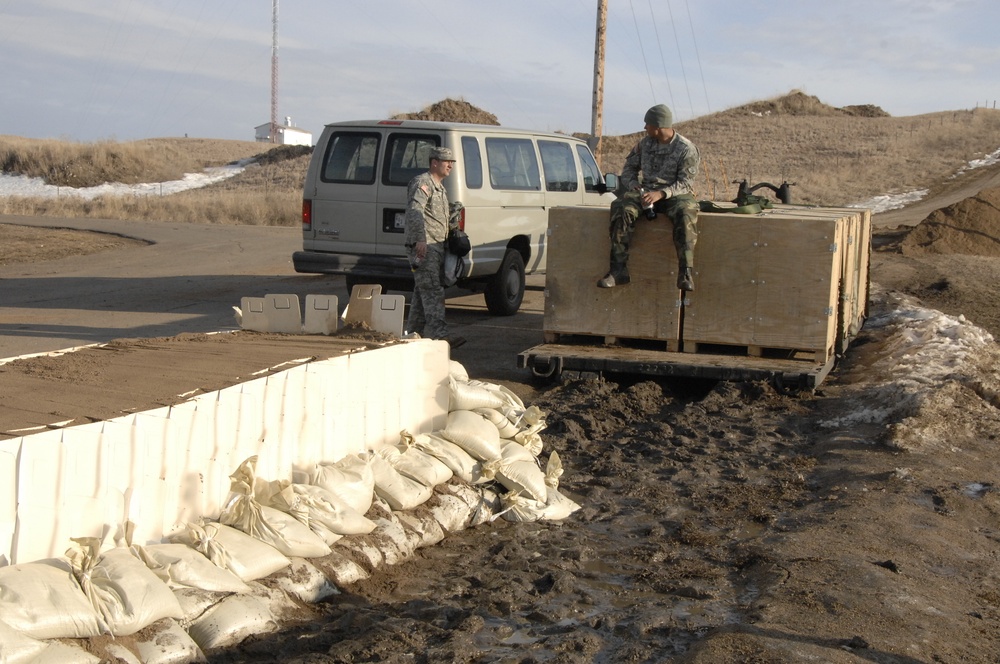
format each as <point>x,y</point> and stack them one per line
<point>591,171</point>
<point>513,164</point>
<point>407,156</point>
<point>472,159</point>
<point>559,167</point>
<point>350,158</point>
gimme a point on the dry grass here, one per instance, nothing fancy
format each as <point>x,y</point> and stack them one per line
<point>834,157</point>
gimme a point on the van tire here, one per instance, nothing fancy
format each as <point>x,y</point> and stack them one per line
<point>505,289</point>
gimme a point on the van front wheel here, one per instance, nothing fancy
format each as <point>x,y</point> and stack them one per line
<point>505,289</point>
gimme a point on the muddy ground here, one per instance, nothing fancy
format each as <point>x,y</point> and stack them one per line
<point>727,522</point>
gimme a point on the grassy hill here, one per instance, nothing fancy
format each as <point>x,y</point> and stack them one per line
<point>834,156</point>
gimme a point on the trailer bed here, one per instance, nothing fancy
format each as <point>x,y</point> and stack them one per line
<point>552,360</point>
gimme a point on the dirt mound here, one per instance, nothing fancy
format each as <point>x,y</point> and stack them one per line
<point>282,153</point>
<point>798,103</point>
<point>452,110</point>
<point>970,227</point>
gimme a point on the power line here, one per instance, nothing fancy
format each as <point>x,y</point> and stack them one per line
<point>697,55</point>
<point>642,51</point>
<point>663,60</point>
<point>680,55</point>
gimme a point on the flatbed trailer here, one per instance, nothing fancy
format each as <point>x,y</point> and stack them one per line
<point>780,296</point>
<point>574,360</point>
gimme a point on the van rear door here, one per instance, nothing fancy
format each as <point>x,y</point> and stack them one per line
<point>344,205</point>
<point>407,155</point>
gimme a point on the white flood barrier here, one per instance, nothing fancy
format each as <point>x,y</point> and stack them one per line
<point>164,468</point>
<point>166,521</point>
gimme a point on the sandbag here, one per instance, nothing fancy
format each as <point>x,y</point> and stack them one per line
<point>279,529</point>
<point>416,463</point>
<point>180,566</point>
<point>524,477</point>
<point>324,512</point>
<point>399,491</point>
<point>512,450</point>
<point>473,433</point>
<point>229,548</point>
<point>464,466</point>
<point>17,648</point>
<point>126,593</point>
<point>457,371</point>
<point>500,420</point>
<point>350,478</point>
<point>232,620</point>
<point>44,600</point>
<point>468,395</point>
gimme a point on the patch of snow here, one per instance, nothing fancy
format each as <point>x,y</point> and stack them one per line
<point>21,185</point>
<point>887,202</point>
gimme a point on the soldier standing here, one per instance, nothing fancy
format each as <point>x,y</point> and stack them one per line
<point>427,226</point>
<point>668,164</point>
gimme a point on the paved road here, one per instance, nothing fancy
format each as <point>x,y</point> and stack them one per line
<point>188,281</point>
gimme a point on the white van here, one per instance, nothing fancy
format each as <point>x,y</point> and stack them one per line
<point>354,201</point>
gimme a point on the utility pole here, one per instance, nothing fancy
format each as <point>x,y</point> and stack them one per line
<point>274,71</point>
<point>597,116</point>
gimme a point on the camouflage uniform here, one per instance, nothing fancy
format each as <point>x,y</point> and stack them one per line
<point>669,167</point>
<point>427,220</point>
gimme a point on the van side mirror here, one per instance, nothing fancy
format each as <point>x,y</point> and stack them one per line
<point>610,183</point>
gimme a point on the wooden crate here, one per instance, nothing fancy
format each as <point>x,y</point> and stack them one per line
<point>773,282</point>
<point>578,252</point>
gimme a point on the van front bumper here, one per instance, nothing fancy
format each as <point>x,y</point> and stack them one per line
<point>365,266</point>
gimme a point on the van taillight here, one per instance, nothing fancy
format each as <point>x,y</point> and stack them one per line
<point>307,215</point>
<point>461,219</point>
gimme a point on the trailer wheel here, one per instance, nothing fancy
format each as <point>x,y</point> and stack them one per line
<point>505,290</point>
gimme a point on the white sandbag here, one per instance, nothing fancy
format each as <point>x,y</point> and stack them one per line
<point>558,506</point>
<point>399,491</point>
<point>518,508</point>
<point>501,421</point>
<point>457,371</point>
<point>515,451</point>
<point>169,644</point>
<point>180,566</point>
<point>304,581</point>
<point>324,512</point>
<point>281,530</point>
<point>229,548</point>
<point>417,464</point>
<point>231,621</point>
<point>55,652</point>
<point>467,395</point>
<point>17,648</point>
<point>333,511</point>
<point>524,477</point>
<point>43,600</point>
<point>126,593</point>
<point>464,466</point>
<point>473,433</point>
<point>350,478</point>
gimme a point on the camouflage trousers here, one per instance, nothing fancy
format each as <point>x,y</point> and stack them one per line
<point>682,210</point>
<point>426,316</point>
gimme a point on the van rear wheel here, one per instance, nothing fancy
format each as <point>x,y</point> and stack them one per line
<point>505,289</point>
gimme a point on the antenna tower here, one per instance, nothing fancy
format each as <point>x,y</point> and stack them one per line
<point>274,71</point>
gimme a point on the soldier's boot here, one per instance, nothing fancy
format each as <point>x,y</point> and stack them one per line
<point>616,276</point>
<point>685,279</point>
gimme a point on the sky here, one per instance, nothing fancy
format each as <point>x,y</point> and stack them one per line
<point>132,69</point>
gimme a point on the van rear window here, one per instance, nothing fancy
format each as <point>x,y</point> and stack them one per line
<point>407,156</point>
<point>512,163</point>
<point>350,158</point>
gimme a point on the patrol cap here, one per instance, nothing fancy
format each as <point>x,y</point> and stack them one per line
<point>659,116</point>
<point>442,154</point>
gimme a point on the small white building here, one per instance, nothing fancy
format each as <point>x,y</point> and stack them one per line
<point>287,134</point>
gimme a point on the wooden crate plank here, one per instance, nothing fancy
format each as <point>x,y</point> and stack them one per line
<point>578,249</point>
<point>722,307</point>
<point>800,263</point>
